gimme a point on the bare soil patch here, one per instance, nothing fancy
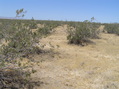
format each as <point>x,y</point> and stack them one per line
<point>95,66</point>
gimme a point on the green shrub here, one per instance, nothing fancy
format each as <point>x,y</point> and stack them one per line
<point>112,28</point>
<point>32,24</point>
<point>45,30</point>
<point>80,33</point>
<point>16,79</point>
<point>20,42</point>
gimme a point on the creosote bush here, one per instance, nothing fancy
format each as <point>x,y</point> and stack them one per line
<point>16,79</point>
<point>81,33</point>
<point>19,42</point>
<point>45,30</point>
<point>112,28</point>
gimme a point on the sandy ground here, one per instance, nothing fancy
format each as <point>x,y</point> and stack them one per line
<point>95,66</point>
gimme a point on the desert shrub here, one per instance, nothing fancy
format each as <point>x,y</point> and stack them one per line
<point>80,33</point>
<point>1,36</point>
<point>73,24</point>
<point>93,29</point>
<point>112,28</point>
<point>20,42</point>
<point>15,48</point>
<point>45,30</point>
<point>16,79</point>
<point>50,23</point>
<point>32,24</point>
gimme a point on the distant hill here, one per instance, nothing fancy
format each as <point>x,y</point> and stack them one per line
<point>1,17</point>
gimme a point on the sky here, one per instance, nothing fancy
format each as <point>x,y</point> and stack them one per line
<point>105,11</point>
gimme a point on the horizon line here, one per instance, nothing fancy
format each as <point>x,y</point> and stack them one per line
<point>15,18</point>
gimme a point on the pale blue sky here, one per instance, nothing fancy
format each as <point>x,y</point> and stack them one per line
<point>72,10</point>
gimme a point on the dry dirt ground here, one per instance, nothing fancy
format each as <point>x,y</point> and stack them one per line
<point>95,66</point>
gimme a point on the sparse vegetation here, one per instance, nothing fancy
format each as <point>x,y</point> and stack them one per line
<point>19,42</point>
